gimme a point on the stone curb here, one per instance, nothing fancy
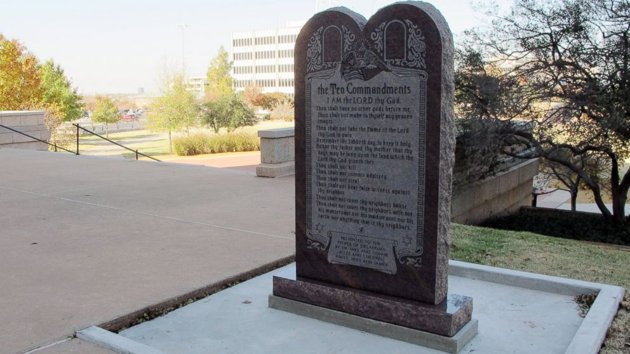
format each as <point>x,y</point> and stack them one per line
<point>591,333</point>
<point>115,342</point>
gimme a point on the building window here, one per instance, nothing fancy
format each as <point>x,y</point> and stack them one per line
<point>268,54</point>
<point>242,56</point>
<point>285,68</point>
<point>241,42</point>
<point>265,69</point>
<point>286,53</point>
<point>287,38</point>
<point>265,40</point>
<point>243,70</point>
<point>286,83</point>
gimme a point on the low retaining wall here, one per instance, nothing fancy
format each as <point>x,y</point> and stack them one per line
<point>501,194</point>
<point>29,122</point>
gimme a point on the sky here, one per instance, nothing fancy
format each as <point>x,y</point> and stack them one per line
<point>119,46</point>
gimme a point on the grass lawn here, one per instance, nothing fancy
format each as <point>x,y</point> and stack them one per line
<point>152,143</point>
<point>552,256</point>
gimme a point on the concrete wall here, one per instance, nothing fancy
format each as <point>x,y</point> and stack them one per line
<point>277,152</point>
<point>29,122</point>
<point>473,203</point>
<point>498,195</point>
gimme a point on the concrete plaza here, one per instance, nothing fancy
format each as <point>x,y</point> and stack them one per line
<point>89,240</point>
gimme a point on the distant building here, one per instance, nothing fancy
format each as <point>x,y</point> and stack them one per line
<point>265,59</point>
<point>197,86</point>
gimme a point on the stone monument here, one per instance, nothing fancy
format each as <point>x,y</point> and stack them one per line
<point>374,141</point>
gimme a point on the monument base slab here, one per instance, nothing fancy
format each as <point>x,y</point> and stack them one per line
<point>274,170</point>
<point>445,319</point>
<point>453,344</point>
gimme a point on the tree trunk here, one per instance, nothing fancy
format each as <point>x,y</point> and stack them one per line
<point>574,194</point>
<point>619,208</point>
<point>170,142</point>
<point>600,204</point>
<point>107,130</point>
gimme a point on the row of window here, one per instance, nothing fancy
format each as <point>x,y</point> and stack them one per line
<point>242,83</point>
<point>286,53</point>
<point>243,56</point>
<point>243,70</point>
<point>259,83</point>
<point>285,68</point>
<point>287,38</point>
<point>264,69</point>
<point>246,42</point>
<point>241,42</point>
<point>265,40</point>
<point>268,54</point>
<point>263,83</point>
<point>286,82</point>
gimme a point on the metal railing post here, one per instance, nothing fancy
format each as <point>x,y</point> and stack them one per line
<point>137,153</point>
<point>77,138</point>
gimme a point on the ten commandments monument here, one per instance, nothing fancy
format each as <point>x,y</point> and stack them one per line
<point>374,156</point>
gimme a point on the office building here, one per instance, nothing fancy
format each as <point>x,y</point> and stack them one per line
<point>265,59</point>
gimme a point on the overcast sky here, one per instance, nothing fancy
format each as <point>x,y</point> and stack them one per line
<point>119,46</point>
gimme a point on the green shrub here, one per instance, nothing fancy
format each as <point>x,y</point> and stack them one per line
<point>196,144</point>
<point>564,223</point>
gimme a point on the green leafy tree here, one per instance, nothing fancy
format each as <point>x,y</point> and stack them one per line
<point>58,94</point>
<point>19,77</point>
<point>229,112</point>
<point>61,101</point>
<point>175,110</point>
<point>220,80</point>
<point>572,61</point>
<point>105,111</point>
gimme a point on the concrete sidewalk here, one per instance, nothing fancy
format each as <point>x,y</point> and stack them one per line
<point>87,240</point>
<point>244,162</point>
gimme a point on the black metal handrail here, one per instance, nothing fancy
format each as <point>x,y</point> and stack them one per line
<point>111,141</point>
<point>38,139</point>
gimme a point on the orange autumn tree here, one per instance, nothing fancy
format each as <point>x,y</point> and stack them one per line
<point>20,82</point>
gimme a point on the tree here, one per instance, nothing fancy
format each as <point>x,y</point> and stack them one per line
<point>20,84</point>
<point>175,110</point>
<point>283,110</point>
<point>61,101</point>
<point>219,78</point>
<point>571,60</point>
<point>105,111</point>
<point>229,112</point>
<point>253,96</point>
<point>487,100</point>
<point>58,94</point>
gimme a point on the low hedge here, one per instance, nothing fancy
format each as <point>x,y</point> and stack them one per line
<point>201,143</point>
<point>564,223</point>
